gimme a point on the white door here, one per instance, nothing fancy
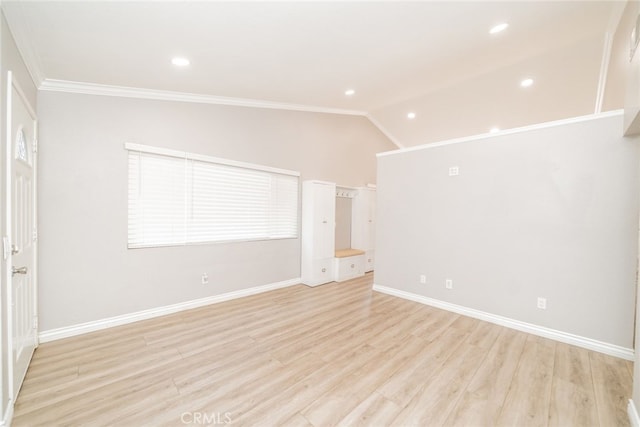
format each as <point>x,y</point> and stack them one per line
<point>22,290</point>
<point>371,220</point>
<point>324,220</point>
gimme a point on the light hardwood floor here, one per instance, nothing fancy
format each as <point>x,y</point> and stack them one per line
<point>337,354</point>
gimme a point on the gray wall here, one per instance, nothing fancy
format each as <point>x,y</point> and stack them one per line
<point>344,209</point>
<point>551,212</point>
<point>10,60</point>
<point>86,271</point>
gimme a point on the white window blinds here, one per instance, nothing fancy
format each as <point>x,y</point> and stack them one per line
<point>177,198</point>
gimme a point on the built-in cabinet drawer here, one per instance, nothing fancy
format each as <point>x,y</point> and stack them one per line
<point>321,272</point>
<point>348,267</point>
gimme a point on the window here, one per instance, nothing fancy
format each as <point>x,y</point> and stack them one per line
<point>21,146</point>
<point>178,198</point>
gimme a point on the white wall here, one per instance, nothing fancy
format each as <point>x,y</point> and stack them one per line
<point>86,271</point>
<point>551,212</point>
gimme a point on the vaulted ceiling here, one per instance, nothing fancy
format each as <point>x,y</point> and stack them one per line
<point>397,56</point>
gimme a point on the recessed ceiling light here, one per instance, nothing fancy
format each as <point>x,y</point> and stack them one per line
<point>349,92</point>
<point>411,115</point>
<point>180,62</point>
<point>494,130</point>
<point>498,28</point>
<point>526,82</point>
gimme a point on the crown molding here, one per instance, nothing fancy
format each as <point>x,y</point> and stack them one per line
<point>614,22</point>
<point>604,68</point>
<point>385,132</point>
<point>53,85</point>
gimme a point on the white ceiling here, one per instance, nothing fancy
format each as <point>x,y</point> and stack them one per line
<point>294,52</point>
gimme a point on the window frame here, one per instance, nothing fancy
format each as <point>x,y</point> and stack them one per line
<point>188,156</point>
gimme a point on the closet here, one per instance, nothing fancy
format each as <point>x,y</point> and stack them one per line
<point>363,230</point>
<point>338,226</point>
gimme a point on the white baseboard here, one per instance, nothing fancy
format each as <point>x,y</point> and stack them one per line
<point>634,419</point>
<point>83,328</point>
<point>8,415</point>
<point>588,343</point>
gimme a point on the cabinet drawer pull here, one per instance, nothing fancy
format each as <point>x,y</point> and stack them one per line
<point>324,270</point>
<point>353,265</point>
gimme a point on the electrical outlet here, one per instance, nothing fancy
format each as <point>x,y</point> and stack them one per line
<point>205,278</point>
<point>542,303</point>
<point>448,284</point>
<point>454,171</point>
<point>423,279</point>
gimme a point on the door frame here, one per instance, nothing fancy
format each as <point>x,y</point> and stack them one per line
<point>13,84</point>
